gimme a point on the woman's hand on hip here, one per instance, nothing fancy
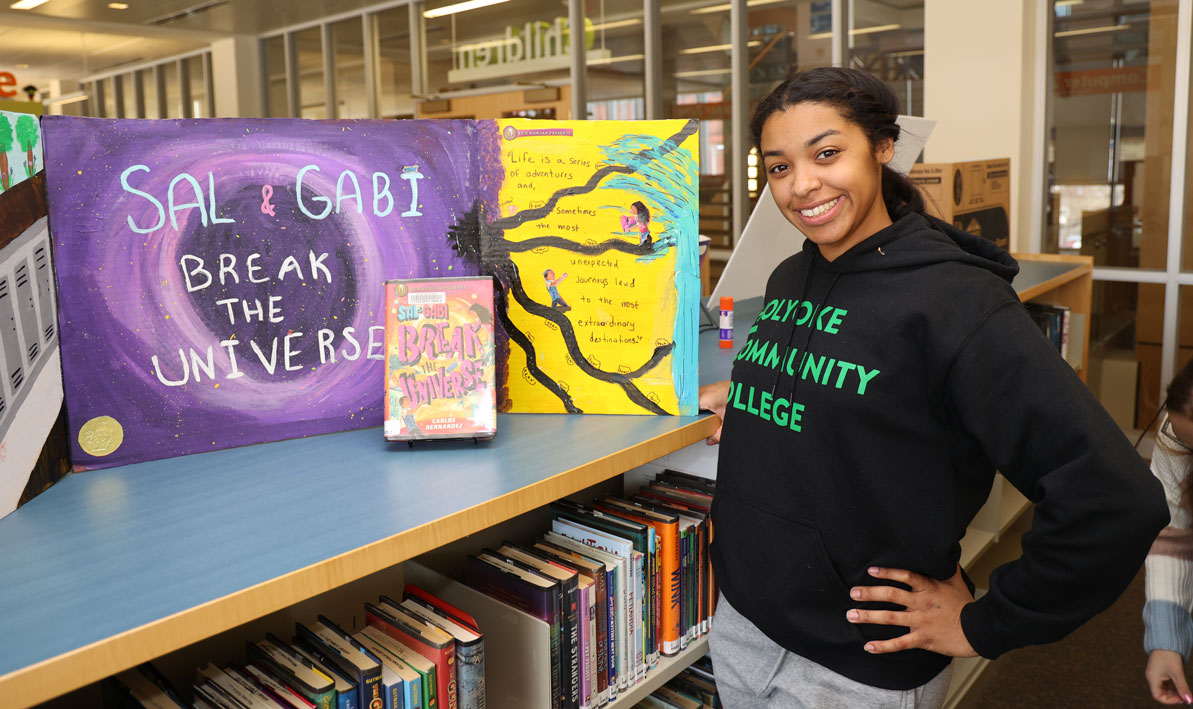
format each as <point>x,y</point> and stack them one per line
<point>932,615</point>
<point>714,398</point>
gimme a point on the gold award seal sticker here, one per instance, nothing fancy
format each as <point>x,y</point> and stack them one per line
<point>100,436</point>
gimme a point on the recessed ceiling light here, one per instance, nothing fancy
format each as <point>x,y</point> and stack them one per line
<point>118,5</point>
<point>459,7</point>
<point>1091,30</point>
<point>26,4</point>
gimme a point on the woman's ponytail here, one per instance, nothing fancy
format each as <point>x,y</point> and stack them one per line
<point>899,194</point>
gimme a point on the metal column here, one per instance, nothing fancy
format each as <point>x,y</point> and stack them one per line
<point>653,65</point>
<point>739,146</point>
<point>293,96</point>
<point>579,75</point>
<point>328,40</point>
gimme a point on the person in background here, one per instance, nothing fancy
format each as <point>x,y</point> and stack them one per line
<point>1168,634</point>
<point>891,372</point>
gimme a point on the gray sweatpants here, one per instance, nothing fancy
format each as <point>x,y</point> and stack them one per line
<point>753,671</point>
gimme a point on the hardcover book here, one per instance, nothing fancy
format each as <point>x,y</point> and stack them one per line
<point>440,354</point>
<point>470,643</point>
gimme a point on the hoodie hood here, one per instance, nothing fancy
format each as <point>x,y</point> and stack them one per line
<point>918,240</point>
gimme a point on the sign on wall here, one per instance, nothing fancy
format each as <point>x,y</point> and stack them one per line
<point>221,281</point>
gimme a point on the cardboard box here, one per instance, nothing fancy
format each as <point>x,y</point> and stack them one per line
<point>974,196</point>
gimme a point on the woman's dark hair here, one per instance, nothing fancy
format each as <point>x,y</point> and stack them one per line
<point>643,212</point>
<point>482,313</point>
<point>861,99</point>
<point>1179,399</point>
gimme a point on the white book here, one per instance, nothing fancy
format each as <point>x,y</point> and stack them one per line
<point>635,590</point>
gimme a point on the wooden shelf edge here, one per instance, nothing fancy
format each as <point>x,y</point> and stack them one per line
<point>668,667</point>
<point>85,665</point>
<point>974,544</point>
<point>1012,507</point>
<point>1082,266</point>
<point>966,671</point>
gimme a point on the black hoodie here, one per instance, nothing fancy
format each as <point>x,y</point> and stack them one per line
<point>869,408</point>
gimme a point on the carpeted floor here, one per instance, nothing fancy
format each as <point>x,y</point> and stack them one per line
<point>1099,665</point>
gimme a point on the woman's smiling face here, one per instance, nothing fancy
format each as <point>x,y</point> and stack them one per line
<point>825,176</point>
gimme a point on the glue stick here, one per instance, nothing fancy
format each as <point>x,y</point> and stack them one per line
<point>726,322</point>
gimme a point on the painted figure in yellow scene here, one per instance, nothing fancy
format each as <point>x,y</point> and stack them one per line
<point>557,302</point>
<point>638,220</point>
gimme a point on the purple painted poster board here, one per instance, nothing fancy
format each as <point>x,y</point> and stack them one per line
<point>164,352</point>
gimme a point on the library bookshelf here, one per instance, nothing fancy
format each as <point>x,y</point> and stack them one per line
<point>114,567</point>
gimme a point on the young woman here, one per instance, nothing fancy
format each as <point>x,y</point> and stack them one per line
<point>1169,629</point>
<point>891,372</point>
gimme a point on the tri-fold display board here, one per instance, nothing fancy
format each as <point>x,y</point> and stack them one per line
<point>221,281</point>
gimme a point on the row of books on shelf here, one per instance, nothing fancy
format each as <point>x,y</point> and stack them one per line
<point>695,687</point>
<point>420,653</point>
<point>570,620</point>
<point>619,584</point>
<point>1055,321</point>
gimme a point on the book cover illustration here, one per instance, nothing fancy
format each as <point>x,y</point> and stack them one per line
<point>440,357</point>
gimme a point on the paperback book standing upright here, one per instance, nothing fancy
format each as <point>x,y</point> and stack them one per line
<point>439,367</point>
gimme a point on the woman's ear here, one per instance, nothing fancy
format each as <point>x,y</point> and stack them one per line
<point>884,152</point>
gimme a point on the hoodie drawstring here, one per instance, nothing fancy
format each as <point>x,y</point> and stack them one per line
<point>808,337</point>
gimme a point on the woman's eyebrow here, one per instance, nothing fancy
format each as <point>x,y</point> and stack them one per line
<point>822,136</point>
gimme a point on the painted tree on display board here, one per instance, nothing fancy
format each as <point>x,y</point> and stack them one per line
<point>27,136</point>
<point>5,146</point>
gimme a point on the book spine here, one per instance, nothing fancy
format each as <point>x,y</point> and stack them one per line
<point>432,679</point>
<point>371,689</point>
<point>630,587</point>
<point>651,560</point>
<point>601,603</point>
<point>585,667</point>
<point>697,561</point>
<point>706,584</point>
<point>656,567</point>
<point>325,700</point>
<point>617,640</point>
<point>572,658</point>
<point>558,693</point>
<point>415,697</point>
<point>686,587</point>
<point>639,562</point>
<point>470,671</point>
<point>399,695</point>
<point>447,676</point>
<point>669,564</point>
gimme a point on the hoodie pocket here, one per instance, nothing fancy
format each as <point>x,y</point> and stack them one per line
<point>781,574</point>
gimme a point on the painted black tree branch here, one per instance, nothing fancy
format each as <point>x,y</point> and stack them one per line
<point>573,348</point>
<point>528,347</point>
